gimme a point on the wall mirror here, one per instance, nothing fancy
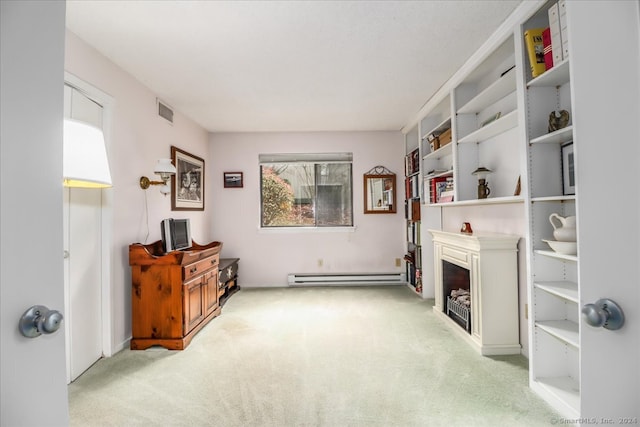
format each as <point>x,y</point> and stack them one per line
<point>379,191</point>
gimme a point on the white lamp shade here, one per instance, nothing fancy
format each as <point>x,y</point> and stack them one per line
<point>85,161</point>
<point>164,166</point>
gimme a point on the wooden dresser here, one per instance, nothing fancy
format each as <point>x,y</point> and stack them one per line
<point>173,295</point>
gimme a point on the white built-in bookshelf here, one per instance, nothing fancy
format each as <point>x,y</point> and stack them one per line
<point>498,115</point>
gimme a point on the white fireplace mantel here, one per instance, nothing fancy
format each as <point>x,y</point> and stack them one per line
<point>491,259</point>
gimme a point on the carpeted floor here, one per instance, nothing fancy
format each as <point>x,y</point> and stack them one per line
<point>363,356</point>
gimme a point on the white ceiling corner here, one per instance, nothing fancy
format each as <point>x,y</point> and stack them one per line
<point>244,66</point>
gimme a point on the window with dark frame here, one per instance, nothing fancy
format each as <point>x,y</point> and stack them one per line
<point>306,190</point>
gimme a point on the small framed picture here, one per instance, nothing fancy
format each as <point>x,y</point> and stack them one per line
<point>568,170</point>
<point>232,179</point>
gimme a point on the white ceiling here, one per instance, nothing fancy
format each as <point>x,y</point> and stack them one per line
<point>239,66</point>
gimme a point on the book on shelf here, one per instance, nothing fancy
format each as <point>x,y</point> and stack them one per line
<point>548,53</point>
<point>413,232</point>
<point>563,28</point>
<point>556,37</point>
<point>412,187</point>
<point>411,274</point>
<point>412,209</point>
<point>535,50</point>
<point>438,184</point>
<point>446,196</point>
<point>407,188</point>
<point>412,162</point>
<point>414,267</point>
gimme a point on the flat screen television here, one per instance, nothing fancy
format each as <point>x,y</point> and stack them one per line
<point>176,234</point>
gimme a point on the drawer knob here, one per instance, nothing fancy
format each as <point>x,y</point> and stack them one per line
<point>193,270</point>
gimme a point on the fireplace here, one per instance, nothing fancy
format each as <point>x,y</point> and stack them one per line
<point>456,287</point>
<point>485,265</point>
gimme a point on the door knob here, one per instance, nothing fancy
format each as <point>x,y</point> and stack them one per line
<point>39,320</point>
<point>605,313</point>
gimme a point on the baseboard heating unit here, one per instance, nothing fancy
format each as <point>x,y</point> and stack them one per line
<point>351,279</point>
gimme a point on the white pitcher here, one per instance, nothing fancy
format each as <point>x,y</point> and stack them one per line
<point>566,232</point>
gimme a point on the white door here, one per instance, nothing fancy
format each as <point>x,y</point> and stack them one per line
<point>33,388</point>
<point>82,229</point>
<point>605,65</point>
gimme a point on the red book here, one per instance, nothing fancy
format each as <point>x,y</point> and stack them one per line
<point>434,188</point>
<point>548,53</point>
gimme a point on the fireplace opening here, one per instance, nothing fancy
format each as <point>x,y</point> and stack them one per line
<point>456,288</point>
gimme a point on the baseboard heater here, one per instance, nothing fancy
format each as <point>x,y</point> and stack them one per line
<point>351,279</point>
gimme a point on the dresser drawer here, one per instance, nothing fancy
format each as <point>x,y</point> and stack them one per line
<point>199,267</point>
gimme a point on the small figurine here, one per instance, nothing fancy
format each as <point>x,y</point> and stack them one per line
<point>558,120</point>
<point>466,228</point>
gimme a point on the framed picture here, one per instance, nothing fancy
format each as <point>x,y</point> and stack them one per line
<point>232,179</point>
<point>187,185</point>
<point>568,171</point>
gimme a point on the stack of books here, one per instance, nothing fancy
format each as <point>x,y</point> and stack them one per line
<point>548,46</point>
<point>441,189</point>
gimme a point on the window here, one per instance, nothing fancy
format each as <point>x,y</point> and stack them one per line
<point>306,190</point>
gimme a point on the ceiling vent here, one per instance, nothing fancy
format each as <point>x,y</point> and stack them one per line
<point>165,111</point>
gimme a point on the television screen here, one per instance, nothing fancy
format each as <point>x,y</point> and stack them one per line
<point>181,234</point>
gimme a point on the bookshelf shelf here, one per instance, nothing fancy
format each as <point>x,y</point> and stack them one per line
<point>558,137</point>
<point>564,289</point>
<point>503,124</point>
<point>442,126</point>
<point>556,76</point>
<point>498,90</point>
<point>440,152</point>
<point>557,255</point>
<point>563,389</point>
<point>478,202</point>
<point>569,198</point>
<point>565,330</point>
<point>439,174</point>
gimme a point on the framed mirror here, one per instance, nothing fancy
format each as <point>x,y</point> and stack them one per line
<point>379,191</point>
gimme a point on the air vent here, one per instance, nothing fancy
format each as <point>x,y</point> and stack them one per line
<point>165,111</point>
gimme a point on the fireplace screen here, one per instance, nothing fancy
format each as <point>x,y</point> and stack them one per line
<point>457,293</point>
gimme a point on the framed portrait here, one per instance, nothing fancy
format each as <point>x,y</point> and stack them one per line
<point>187,185</point>
<point>568,171</point>
<point>233,180</point>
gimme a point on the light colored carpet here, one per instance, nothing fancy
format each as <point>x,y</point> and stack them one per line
<point>363,356</point>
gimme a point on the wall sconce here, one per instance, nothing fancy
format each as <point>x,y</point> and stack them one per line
<point>165,169</point>
<point>84,162</point>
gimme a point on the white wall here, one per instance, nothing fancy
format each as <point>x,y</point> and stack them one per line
<point>137,137</point>
<point>267,257</point>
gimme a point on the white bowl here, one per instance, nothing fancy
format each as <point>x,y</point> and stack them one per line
<point>566,248</point>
